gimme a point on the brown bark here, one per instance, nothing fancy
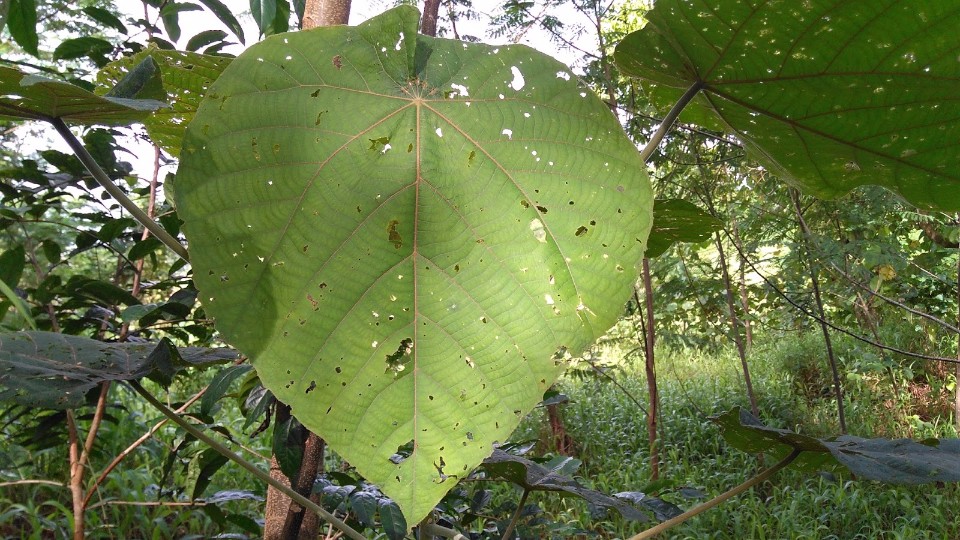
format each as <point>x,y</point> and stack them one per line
<point>297,524</point>
<point>560,440</point>
<point>325,13</point>
<point>428,22</point>
<point>648,349</point>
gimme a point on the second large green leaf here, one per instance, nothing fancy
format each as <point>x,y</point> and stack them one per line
<point>409,236</point>
<point>829,94</point>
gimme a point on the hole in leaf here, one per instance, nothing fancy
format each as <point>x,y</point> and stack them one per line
<point>581,230</point>
<point>397,361</point>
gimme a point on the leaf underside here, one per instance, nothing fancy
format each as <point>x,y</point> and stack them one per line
<point>828,94</point>
<point>409,236</point>
<point>677,220</point>
<point>30,97</point>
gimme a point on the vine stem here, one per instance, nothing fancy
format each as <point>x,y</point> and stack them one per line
<point>251,468</point>
<point>115,192</point>
<point>669,119</point>
<point>733,492</point>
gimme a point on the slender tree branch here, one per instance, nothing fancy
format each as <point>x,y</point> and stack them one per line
<point>508,532</point>
<point>115,192</point>
<point>763,476</point>
<point>251,468</point>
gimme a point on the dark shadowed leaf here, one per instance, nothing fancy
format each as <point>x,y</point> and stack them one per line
<point>392,520</point>
<point>205,38</point>
<point>105,18</point>
<point>226,17</point>
<point>535,477</point>
<point>142,82</point>
<point>676,220</point>
<point>220,385</point>
<point>895,461</point>
<point>22,22</point>
<point>830,95</point>
<point>45,369</point>
<point>411,230</point>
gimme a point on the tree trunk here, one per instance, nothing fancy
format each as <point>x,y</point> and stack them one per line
<point>735,327</point>
<point>428,21</point>
<point>815,281</point>
<point>325,13</point>
<point>297,523</point>
<point>648,349</point>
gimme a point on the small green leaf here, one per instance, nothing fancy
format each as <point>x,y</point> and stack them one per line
<point>205,38</point>
<point>288,439</point>
<point>51,250</point>
<point>170,16</point>
<point>219,385</point>
<point>226,17</point>
<point>105,18</point>
<point>12,263</point>
<point>143,248</point>
<point>22,22</point>
<point>364,505</point>
<point>142,82</point>
<point>263,11</point>
<point>137,312</point>
<point>208,462</point>
<point>82,47</point>
<point>185,76</point>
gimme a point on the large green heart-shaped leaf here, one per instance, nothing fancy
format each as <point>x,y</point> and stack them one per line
<point>829,94</point>
<point>408,236</point>
<point>31,97</point>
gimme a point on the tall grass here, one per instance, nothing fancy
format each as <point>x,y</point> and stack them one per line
<point>612,442</point>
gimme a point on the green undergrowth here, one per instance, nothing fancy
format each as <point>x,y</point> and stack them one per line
<point>611,440</point>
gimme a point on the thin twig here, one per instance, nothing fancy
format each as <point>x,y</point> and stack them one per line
<point>508,533</point>
<point>653,531</point>
<point>115,192</point>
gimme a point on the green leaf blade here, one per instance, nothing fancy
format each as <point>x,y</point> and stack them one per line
<point>830,98</point>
